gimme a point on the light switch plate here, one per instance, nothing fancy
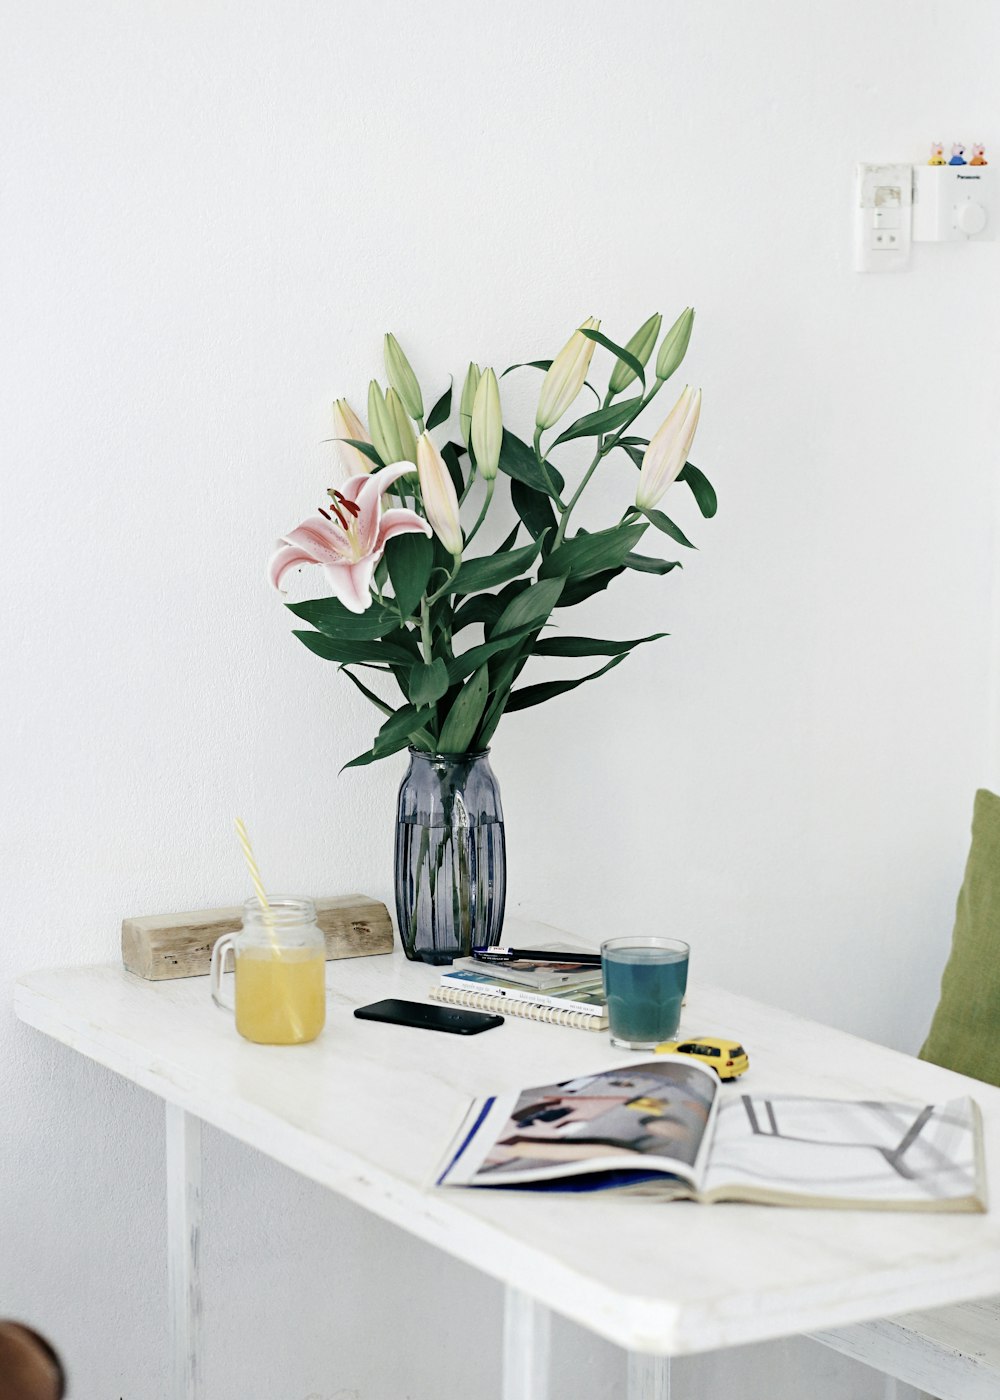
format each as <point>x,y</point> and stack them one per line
<point>883,197</point>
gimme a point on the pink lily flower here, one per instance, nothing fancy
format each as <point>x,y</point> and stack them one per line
<point>348,540</point>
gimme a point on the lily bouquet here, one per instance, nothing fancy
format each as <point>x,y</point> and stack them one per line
<point>406,588</point>
<point>453,630</point>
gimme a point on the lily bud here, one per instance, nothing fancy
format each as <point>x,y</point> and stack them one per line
<point>439,497</point>
<point>468,398</point>
<point>384,436</point>
<point>487,425</point>
<point>664,458</point>
<point>347,424</point>
<point>641,346</point>
<point>404,428</point>
<point>675,344</point>
<point>565,376</point>
<point>402,378</point>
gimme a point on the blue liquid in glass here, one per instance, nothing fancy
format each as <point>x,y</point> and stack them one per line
<point>645,988</point>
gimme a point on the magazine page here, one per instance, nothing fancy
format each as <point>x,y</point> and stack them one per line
<point>791,1150</point>
<point>636,1120</point>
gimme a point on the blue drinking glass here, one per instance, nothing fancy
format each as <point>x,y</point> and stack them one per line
<point>645,978</point>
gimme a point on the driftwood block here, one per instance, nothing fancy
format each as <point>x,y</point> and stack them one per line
<point>161,946</point>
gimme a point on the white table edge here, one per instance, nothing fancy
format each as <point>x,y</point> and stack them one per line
<point>650,1326</point>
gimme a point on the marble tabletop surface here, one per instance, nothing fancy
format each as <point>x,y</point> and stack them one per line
<point>368,1110</point>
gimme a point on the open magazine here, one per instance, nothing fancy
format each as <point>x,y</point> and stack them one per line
<point>667,1129</point>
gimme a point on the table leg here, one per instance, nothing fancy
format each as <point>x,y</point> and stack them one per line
<point>525,1347</point>
<point>648,1377</point>
<point>183,1248</point>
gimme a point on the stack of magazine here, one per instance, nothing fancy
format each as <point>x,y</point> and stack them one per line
<point>563,993</point>
<point>668,1129</point>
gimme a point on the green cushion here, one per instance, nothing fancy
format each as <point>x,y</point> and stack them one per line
<point>965,1032</point>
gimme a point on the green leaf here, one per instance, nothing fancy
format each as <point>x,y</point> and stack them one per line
<point>602,420</point>
<point>472,659</point>
<point>484,608</point>
<point>620,352</point>
<point>363,447</point>
<point>494,714</point>
<point>646,564</point>
<point>410,559</point>
<point>464,716</point>
<point>588,554</point>
<point>397,732</point>
<point>530,695</point>
<point>406,640</point>
<point>534,508</point>
<point>509,541</point>
<point>590,646</point>
<point>428,683</point>
<point>399,728</point>
<point>528,364</point>
<point>475,575</point>
<point>502,677</point>
<point>370,756</point>
<point>664,523</point>
<point>531,607</point>
<point>374,755</point>
<point>331,617</point>
<point>441,410</point>
<point>634,446</point>
<point>507,594</point>
<point>518,460</point>
<point>452,454</point>
<point>578,590</point>
<point>351,652</point>
<point>701,488</point>
<point>376,700</point>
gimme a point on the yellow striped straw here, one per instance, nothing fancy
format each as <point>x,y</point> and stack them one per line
<point>265,905</point>
<point>257,882</point>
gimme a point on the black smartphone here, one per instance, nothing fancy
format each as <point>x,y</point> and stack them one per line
<point>430,1018</point>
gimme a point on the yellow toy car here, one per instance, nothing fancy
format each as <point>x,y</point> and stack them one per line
<point>726,1057</point>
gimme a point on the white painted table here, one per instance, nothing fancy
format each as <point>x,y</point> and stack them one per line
<point>368,1111</point>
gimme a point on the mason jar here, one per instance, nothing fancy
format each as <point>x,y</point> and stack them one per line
<point>279,956</point>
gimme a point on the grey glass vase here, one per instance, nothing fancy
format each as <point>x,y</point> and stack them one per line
<point>451,860</point>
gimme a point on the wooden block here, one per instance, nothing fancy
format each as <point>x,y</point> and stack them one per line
<point>161,946</point>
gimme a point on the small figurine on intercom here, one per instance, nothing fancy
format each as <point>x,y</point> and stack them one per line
<point>937,153</point>
<point>979,154</point>
<point>957,154</point>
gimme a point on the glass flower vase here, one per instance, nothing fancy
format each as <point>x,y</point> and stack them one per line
<point>451,860</point>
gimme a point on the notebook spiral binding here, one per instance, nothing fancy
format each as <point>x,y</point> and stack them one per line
<point>531,1011</point>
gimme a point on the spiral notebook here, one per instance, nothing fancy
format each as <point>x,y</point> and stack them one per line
<point>582,1005</point>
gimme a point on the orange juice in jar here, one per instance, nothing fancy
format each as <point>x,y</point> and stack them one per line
<point>280,960</point>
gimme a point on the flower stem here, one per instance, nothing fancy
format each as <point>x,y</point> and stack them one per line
<point>425,629</point>
<point>468,484</point>
<point>544,468</point>
<point>426,602</point>
<point>482,514</point>
<point>603,448</point>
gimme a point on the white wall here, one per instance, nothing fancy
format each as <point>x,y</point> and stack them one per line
<point>210,213</point>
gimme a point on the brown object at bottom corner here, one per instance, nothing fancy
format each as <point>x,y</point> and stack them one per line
<point>29,1368</point>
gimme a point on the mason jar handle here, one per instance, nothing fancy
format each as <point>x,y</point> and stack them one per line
<point>222,946</point>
